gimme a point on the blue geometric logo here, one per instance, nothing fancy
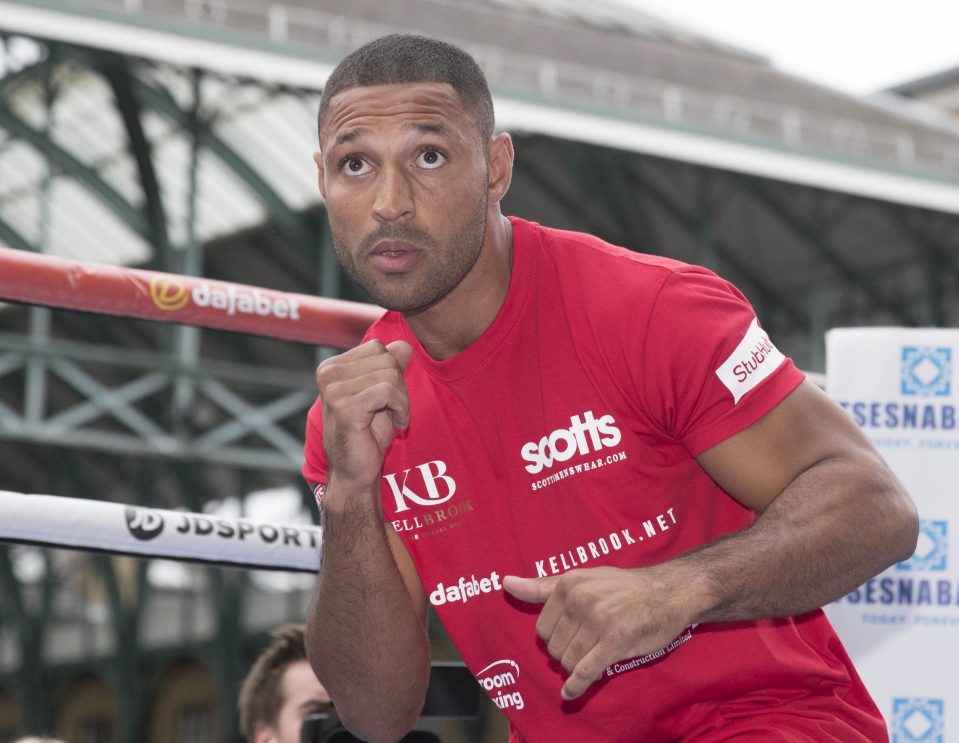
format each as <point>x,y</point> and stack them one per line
<point>926,371</point>
<point>931,549</point>
<point>918,721</point>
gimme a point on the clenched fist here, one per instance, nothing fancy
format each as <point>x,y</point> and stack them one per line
<point>364,403</point>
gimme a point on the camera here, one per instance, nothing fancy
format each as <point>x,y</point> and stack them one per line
<point>452,694</point>
<point>326,728</point>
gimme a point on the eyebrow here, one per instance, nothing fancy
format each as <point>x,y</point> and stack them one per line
<point>353,134</point>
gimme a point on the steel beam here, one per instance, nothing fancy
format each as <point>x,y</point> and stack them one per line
<point>70,165</point>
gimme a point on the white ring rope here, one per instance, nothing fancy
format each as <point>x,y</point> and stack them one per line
<point>100,526</point>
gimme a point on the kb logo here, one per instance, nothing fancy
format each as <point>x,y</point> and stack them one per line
<point>143,523</point>
<point>427,478</point>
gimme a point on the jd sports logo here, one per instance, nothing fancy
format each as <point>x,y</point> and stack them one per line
<point>583,436</point>
<point>143,523</point>
<point>425,485</point>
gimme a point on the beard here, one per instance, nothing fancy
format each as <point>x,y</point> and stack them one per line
<point>446,264</point>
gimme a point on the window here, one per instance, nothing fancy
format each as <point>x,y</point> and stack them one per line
<point>193,725</point>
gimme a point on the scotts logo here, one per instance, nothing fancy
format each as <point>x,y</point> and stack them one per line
<point>171,295</point>
<point>168,294</point>
<point>425,485</point>
<point>584,435</point>
<point>143,523</point>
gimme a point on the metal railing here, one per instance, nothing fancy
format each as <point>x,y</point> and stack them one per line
<point>602,90</point>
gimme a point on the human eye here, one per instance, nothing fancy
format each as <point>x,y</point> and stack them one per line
<point>430,158</point>
<point>354,165</point>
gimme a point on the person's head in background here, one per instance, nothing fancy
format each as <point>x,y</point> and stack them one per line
<point>280,690</point>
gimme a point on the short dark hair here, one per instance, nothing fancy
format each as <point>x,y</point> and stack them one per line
<point>408,58</point>
<point>261,693</point>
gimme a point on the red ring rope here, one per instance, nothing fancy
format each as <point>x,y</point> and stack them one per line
<point>151,295</point>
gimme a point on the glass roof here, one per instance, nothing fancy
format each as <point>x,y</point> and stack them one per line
<point>71,181</point>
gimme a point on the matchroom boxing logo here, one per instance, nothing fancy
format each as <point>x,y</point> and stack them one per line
<point>499,680</point>
<point>143,523</point>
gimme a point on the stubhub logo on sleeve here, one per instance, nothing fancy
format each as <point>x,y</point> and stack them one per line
<point>754,359</point>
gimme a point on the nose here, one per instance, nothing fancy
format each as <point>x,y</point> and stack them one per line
<point>394,195</point>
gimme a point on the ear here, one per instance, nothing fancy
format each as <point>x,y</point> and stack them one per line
<point>263,733</point>
<point>500,162</point>
<point>320,173</point>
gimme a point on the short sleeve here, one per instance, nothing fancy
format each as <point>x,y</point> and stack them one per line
<point>708,370</point>
<point>315,469</point>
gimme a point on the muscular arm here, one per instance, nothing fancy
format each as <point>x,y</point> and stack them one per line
<point>366,636</point>
<point>830,515</point>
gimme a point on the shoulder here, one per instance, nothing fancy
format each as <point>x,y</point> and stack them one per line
<point>597,267</point>
<point>594,278</point>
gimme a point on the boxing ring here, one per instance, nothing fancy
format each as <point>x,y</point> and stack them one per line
<point>101,526</point>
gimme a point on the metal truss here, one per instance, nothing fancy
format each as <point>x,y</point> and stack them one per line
<point>233,414</point>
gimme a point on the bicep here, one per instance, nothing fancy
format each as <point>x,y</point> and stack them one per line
<point>411,578</point>
<point>807,428</point>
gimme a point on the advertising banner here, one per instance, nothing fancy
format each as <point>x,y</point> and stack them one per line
<point>902,627</point>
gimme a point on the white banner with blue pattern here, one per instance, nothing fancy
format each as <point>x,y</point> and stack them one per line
<point>902,627</point>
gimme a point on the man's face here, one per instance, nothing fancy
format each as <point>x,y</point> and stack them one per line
<point>302,695</point>
<point>404,173</point>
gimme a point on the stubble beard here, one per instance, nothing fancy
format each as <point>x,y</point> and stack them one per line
<point>449,264</point>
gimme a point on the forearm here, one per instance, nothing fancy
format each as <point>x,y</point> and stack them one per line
<point>366,640</point>
<point>832,528</point>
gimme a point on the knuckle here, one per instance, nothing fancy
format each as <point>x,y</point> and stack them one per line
<point>584,672</point>
<point>600,616</point>
<point>324,373</point>
<point>579,601</point>
<point>541,631</point>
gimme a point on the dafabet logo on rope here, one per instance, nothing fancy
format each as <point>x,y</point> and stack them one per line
<point>169,294</point>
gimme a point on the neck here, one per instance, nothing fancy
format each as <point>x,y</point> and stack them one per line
<point>449,326</point>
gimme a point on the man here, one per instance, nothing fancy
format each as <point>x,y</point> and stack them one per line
<point>624,503</point>
<point>280,691</point>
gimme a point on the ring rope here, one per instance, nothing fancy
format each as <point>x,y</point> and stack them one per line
<point>56,521</point>
<point>151,295</point>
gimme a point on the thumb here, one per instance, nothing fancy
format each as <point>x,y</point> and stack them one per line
<point>401,351</point>
<point>533,590</point>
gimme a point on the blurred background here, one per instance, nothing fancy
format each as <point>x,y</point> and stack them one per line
<point>177,135</point>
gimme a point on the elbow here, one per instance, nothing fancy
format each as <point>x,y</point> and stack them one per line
<point>361,723</point>
<point>388,720</point>
<point>907,529</point>
<point>903,525</point>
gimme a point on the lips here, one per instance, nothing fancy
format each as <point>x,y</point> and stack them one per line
<point>394,256</point>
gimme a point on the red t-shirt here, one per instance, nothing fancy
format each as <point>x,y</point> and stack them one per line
<point>565,437</point>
